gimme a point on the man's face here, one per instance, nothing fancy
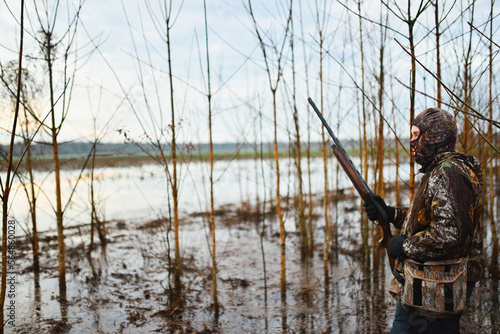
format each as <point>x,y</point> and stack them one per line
<point>415,134</point>
<point>419,146</point>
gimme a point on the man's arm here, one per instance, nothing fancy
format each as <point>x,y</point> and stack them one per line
<point>451,197</point>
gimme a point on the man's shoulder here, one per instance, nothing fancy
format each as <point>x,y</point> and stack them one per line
<point>457,163</point>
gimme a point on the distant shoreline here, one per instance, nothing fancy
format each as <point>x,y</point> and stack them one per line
<point>122,160</point>
<point>74,154</point>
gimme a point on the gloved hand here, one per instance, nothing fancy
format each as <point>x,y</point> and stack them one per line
<point>372,212</point>
<point>396,247</point>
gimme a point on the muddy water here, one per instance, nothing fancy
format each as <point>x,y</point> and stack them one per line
<point>122,288</point>
<point>122,291</point>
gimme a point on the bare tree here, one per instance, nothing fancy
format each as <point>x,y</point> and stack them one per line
<point>211,153</point>
<point>466,138</point>
<point>363,129</point>
<point>6,185</point>
<point>278,50</point>
<point>59,101</point>
<point>97,222</point>
<point>380,97</point>
<point>491,153</point>
<point>30,90</point>
<point>410,20</point>
<point>160,140</point>
<point>438,53</point>
<point>308,148</point>
<point>297,146</point>
<point>59,67</point>
<point>321,22</point>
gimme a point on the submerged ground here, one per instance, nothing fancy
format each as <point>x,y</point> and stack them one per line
<point>122,288</point>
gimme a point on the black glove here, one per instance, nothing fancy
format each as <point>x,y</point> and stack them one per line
<point>372,212</point>
<point>396,247</point>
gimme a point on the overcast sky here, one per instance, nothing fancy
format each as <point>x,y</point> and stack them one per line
<point>109,74</point>
<point>113,81</point>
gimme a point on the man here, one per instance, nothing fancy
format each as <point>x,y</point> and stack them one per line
<point>443,220</point>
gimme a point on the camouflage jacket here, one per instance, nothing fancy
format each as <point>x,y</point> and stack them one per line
<point>443,220</point>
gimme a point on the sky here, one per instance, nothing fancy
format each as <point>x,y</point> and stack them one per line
<point>110,73</point>
<point>116,84</point>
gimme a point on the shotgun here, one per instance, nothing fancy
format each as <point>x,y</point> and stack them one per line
<point>361,186</point>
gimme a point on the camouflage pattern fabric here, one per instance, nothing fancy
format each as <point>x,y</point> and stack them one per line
<point>443,220</point>
<point>438,134</point>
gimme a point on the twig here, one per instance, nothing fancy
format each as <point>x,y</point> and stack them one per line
<point>482,34</point>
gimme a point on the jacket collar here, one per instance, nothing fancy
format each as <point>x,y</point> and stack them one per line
<point>435,162</point>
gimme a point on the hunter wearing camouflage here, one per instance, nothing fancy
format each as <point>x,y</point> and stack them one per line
<point>443,220</point>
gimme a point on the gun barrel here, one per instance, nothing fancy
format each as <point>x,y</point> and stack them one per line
<point>359,183</point>
<point>325,124</point>
<point>346,163</point>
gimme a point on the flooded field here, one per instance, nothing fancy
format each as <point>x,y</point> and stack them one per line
<point>122,287</point>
